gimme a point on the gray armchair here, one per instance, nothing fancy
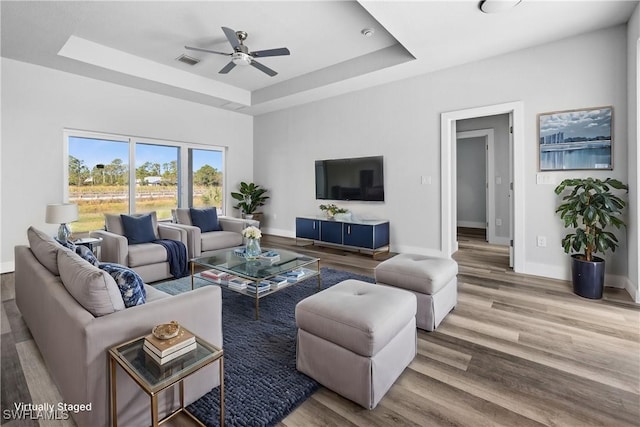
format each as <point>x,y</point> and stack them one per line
<point>149,260</point>
<point>202,244</point>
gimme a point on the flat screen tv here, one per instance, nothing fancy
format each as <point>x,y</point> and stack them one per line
<point>358,178</point>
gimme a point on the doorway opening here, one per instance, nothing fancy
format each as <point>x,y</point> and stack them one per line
<point>514,179</point>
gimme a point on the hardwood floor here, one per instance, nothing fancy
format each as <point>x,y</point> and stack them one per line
<point>517,351</point>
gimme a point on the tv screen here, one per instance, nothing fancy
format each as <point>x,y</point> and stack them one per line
<point>358,178</point>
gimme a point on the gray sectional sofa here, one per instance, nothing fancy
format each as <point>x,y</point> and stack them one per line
<point>73,338</point>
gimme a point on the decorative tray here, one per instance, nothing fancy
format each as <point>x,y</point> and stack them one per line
<point>166,331</point>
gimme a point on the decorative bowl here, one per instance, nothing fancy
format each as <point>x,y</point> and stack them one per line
<point>166,331</point>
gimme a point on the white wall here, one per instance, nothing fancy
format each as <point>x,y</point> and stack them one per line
<point>471,176</point>
<point>401,121</point>
<point>500,124</point>
<point>38,103</point>
<point>633,84</point>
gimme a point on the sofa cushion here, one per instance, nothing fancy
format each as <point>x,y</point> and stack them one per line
<point>205,219</point>
<point>113,223</point>
<point>129,282</point>
<point>215,240</point>
<point>138,229</point>
<point>154,294</point>
<point>87,254</point>
<point>45,249</point>
<point>146,254</point>
<point>94,289</point>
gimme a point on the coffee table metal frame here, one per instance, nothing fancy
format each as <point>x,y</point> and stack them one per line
<point>257,270</point>
<point>122,354</point>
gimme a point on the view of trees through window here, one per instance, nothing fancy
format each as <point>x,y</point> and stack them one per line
<point>99,177</point>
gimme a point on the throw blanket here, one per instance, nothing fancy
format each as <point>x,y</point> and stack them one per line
<point>177,256</point>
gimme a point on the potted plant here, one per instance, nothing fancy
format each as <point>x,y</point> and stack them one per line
<point>589,208</point>
<point>331,210</point>
<point>250,197</point>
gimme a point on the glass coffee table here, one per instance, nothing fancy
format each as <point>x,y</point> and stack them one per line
<point>259,277</point>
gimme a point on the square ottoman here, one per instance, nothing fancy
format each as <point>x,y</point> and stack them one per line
<point>356,338</point>
<point>433,280</point>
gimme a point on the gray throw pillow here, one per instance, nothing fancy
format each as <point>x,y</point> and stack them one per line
<point>94,289</point>
<point>44,248</point>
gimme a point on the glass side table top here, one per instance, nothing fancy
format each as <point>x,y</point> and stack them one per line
<point>156,376</point>
<point>228,261</point>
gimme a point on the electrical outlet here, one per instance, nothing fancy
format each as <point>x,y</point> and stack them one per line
<point>499,222</point>
<point>542,241</point>
<point>425,180</point>
<point>274,216</point>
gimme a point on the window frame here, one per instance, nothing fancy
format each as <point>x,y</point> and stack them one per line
<point>184,175</point>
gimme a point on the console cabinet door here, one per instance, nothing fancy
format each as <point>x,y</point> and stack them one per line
<point>331,232</point>
<point>358,235</point>
<point>307,228</point>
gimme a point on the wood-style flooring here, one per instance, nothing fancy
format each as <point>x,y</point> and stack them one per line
<point>517,351</point>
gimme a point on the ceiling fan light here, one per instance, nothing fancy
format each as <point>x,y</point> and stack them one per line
<point>241,58</point>
<point>496,6</point>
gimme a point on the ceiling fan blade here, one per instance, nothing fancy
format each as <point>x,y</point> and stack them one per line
<point>271,52</point>
<point>227,68</point>
<point>231,36</point>
<point>206,50</point>
<point>263,68</point>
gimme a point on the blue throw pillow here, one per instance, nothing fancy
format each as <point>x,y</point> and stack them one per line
<point>205,219</point>
<point>138,229</point>
<point>87,255</point>
<point>129,282</point>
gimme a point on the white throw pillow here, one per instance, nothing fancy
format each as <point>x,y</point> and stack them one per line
<point>94,289</point>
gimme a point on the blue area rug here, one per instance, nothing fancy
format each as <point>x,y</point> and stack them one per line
<point>262,385</point>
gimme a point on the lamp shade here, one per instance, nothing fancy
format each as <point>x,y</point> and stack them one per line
<point>61,213</point>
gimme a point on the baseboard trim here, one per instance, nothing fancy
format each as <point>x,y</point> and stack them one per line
<point>279,232</point>
<point>632,289</point>
<point>7,267</point>
<point>564,273</point>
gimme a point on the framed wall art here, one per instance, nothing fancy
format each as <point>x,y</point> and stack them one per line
<point>576,139</point>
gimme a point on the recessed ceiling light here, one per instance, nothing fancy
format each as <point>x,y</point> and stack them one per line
<point>496,6</point>
<point>367,32</point>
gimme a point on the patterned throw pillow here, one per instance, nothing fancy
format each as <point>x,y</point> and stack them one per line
<point>67,244</point>
<point>129,282</point>
<point>87,255</point>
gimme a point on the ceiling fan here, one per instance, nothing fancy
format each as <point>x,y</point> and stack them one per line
<point>241,54</point>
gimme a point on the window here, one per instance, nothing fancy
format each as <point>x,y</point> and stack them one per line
<point>99,176</point>
<point>98,179</point>
<point>157,179</point>
<point>205,185</point>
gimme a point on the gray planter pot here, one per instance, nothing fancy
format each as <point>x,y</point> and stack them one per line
<point>588,276</point>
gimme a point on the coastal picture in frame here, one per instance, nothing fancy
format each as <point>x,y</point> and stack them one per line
<point>576,139</point>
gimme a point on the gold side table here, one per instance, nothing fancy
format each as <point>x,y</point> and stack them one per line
<point>154,378</point>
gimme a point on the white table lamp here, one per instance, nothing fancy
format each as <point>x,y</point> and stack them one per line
<point>62,213</point>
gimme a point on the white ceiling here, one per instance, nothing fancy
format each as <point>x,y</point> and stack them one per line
<point>136,43</point>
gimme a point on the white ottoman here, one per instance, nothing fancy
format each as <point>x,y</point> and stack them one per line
<point>356,338</point>
<point>433,280</point>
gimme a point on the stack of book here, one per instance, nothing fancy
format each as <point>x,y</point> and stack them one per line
<point>216,276</point>
<point>258,287</point>
<point>163,351</point>
<point>294,276</point>
<point>278,281</point>
<point>238,283</point>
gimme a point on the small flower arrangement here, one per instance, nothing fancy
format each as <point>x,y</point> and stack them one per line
<point>252,232</point>
<point>332,209</point>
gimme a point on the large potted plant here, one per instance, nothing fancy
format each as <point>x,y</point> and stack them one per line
<point>589,209</point>
<point>250,197</point>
